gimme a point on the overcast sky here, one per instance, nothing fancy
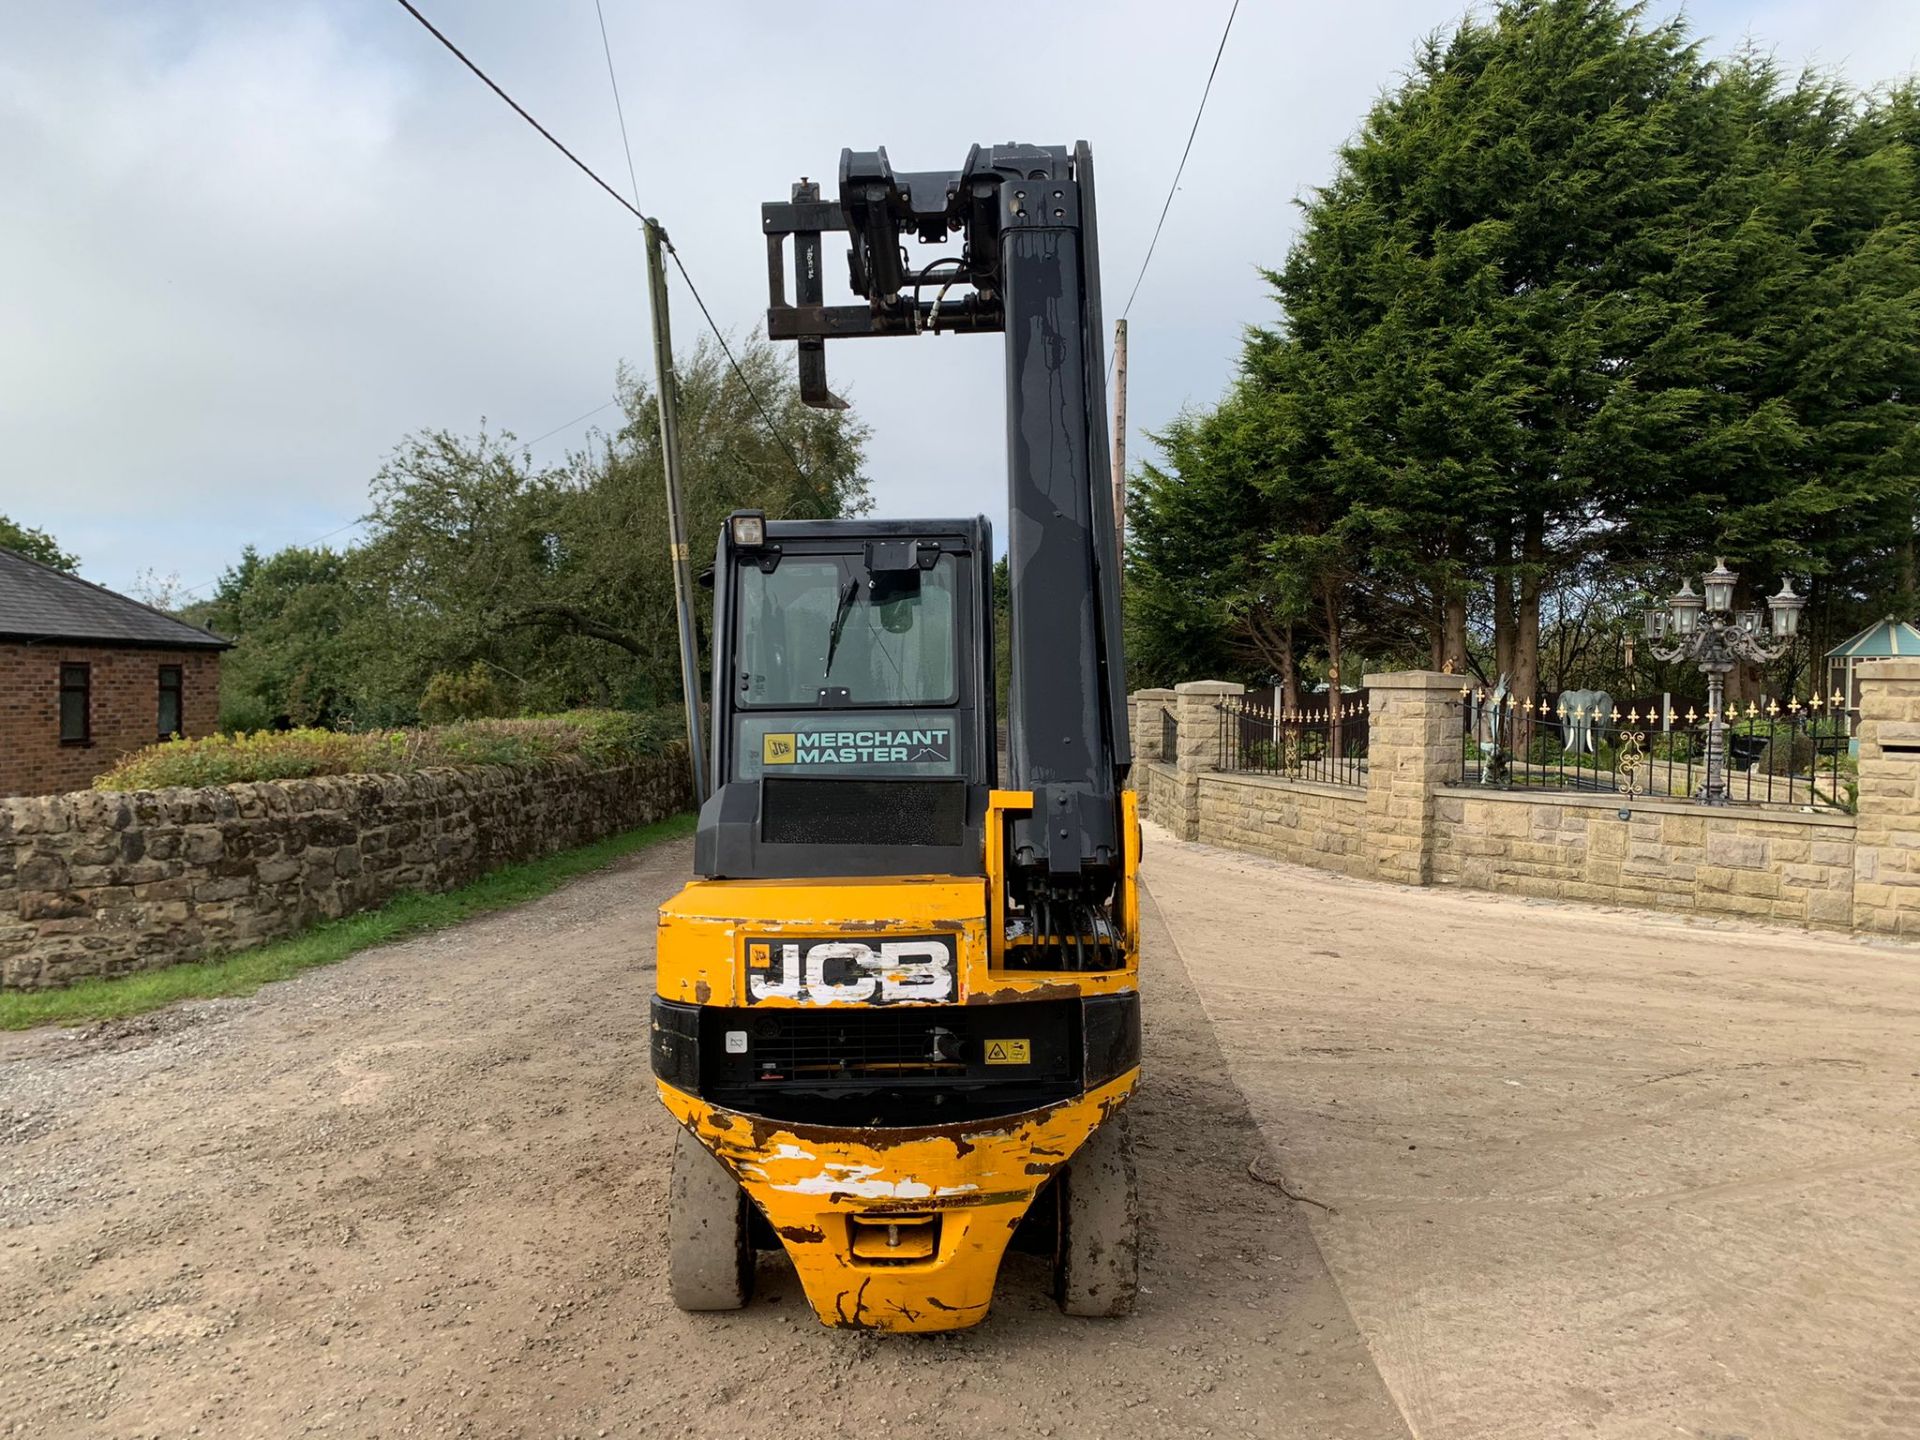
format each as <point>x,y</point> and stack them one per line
<point>246,247</point>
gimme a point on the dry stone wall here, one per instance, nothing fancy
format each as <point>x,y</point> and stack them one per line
<point>100,883</point>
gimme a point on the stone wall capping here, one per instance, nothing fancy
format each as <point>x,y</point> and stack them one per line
<point>1903,667</point>
<point>1351,794</point>
<point>1640,805</point>
<point>1414,680</point>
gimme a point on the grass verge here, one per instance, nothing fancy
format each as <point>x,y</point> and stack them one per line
<point>245,971</point>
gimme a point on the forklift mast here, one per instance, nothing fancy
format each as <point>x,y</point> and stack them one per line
<point>1027,268</point>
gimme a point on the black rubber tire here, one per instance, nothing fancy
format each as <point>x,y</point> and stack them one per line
<point>1096,1268</point>
<point>710,1254</point>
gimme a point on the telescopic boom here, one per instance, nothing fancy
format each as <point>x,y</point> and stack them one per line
<point>1027,267</point>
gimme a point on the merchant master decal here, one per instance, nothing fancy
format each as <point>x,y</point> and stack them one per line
<point>859,747</point>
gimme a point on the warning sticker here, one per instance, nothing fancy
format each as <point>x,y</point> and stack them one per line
<point>1009,1052</point>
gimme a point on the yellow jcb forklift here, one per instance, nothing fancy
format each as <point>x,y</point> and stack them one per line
<point>898,1015</point>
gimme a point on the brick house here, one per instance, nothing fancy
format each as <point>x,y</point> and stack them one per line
<point>87,675</point>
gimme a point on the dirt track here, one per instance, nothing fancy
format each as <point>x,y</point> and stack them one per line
<point>1592,1172</point>
<point>1589,1173</point>
<point>421,1193</point>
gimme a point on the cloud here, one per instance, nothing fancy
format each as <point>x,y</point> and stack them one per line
<point>248,248</point>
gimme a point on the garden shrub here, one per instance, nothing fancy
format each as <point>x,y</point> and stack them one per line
<point>456,695</point>
<point>1544,749</point>
<point>601,736</point>
<point>1675,745</point>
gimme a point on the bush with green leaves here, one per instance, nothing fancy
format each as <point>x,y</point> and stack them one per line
<point>463,695</point>
<point>1260,755</point>
<point>1676,745</point>
<point>604,737</point>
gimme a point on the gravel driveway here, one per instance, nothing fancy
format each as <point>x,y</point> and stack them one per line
<point>420,1193</point>
<point>1577,1173</point>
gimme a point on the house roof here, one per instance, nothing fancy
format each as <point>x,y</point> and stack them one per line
<point>1879,641</point>
<point>38,602</point>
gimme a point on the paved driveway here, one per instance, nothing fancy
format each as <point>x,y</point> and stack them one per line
<point>1581,1171</point>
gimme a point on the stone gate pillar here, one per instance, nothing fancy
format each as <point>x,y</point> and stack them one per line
<point>1144,708</point>
<point>1886,851</point>
<point>1196,709</point>
<point>1413,745</point>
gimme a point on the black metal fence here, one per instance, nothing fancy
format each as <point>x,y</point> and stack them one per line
<point>1794,753</point>
<point>1327,742</point>
<point>1169,736</point>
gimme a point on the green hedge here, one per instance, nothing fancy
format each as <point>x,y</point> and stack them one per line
<point>606,736</point>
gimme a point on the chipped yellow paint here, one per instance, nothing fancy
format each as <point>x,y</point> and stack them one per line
<point>978,1178</point>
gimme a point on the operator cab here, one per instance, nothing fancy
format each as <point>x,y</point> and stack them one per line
<point>853,717</point>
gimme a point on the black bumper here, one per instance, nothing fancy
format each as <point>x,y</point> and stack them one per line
<point>916,1065</point>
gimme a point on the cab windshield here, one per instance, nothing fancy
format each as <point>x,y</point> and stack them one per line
<point>820,629</point>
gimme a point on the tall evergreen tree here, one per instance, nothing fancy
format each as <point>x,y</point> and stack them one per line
<point>1575,304</point>
<point>1775,416</point>
<point>1472,278</point>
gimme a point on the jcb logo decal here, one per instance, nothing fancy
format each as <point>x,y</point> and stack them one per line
<point>776,750</point>
<point>837,972</point>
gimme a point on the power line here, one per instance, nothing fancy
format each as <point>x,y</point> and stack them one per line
<point>632,208</point>
<point>727,350</point>
<point>485,79</point>
<point>529,444</point>
<point>680,265</point>
<point>355,524</point>
<point>625,145</point>
<point>1181,168</point>
<point>341,530</point>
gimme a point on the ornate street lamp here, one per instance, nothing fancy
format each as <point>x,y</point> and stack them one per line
<point>1706,631</point>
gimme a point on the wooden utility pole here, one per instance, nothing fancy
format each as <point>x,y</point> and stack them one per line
<point>1120,437</point>
<point>676,517</point>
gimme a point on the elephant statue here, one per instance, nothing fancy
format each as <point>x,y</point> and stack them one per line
<point>1583,720</point>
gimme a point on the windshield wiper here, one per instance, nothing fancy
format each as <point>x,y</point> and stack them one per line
<point>840,614</point>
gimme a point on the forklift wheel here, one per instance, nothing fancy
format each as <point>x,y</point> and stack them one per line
<point>1096,1269</point>
<point>710,1259</point>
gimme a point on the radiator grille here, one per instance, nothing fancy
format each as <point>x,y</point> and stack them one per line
<point>863,812</point>
<point>865,1043</point>
<point>863,1065</point>
<point>876,1045</point>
